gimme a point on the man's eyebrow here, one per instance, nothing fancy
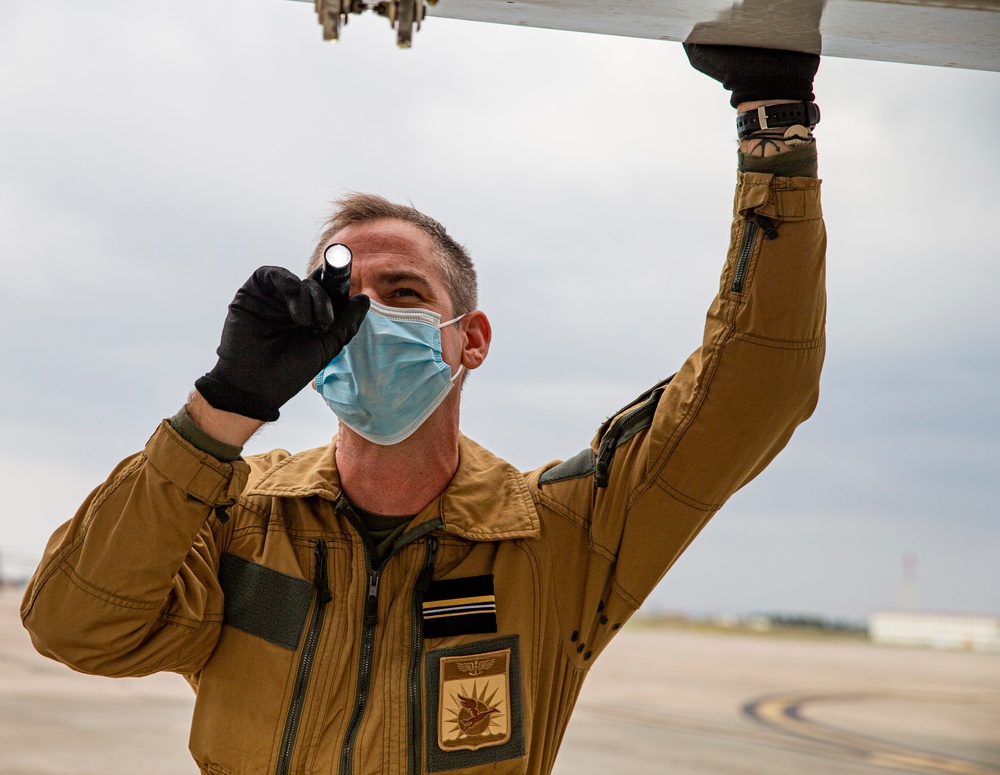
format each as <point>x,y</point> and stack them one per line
<point>403,276</point>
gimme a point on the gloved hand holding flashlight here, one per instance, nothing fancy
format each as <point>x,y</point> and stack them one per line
<point>279,333</point>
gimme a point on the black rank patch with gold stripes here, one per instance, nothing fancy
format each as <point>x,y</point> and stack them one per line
<point>460,607</point>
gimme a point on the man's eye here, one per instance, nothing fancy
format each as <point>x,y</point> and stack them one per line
<point>404,292</point>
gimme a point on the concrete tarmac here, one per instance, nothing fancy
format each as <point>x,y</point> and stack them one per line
<point>658,701</point>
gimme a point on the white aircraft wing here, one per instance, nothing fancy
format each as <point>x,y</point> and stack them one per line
<point>944,33</point>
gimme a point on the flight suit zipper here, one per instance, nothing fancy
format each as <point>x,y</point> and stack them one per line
<point>417,652</point>
<point>622,429</point>
<point>755,223</point>
<point>321,582</point>
<point>743,258</point>
<point>368,640</point>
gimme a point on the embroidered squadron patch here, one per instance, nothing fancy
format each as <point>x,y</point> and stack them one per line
<point>475,701</point>
<point>475,704</point>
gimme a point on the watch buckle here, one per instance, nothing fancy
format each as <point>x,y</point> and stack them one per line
<point>762,117</point>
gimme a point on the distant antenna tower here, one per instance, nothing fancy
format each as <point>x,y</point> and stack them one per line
<point>909,581</point>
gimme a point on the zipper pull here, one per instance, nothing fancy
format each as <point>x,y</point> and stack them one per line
<point>371,602</point>
<point>766,224</point>
<point>427,574</point>
<point>605,453</point>
<point>320,578</point>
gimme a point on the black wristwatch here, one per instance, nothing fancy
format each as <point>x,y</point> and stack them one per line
<point>772,116</point>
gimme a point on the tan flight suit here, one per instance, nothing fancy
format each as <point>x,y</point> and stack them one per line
<point>465,651</point>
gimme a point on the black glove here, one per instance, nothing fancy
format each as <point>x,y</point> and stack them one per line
<point>279,333</point>
<point>757,73</point>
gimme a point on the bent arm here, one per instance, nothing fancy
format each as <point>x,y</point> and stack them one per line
<point>128,586</point>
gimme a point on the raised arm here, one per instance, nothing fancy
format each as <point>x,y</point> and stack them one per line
<point>663,466</point>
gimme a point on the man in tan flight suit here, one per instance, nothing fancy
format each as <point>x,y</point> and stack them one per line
<point>402,601</point>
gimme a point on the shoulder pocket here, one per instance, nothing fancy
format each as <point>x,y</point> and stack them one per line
<point>623,426</point>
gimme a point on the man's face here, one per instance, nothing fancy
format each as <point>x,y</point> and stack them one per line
<point>395,265</point>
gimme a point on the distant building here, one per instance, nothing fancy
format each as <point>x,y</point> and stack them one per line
<point>939,631</point>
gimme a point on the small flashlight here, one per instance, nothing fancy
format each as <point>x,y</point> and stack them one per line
<point>336,276</point>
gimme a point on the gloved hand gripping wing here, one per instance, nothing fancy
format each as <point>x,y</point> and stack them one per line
<point>753,74</point>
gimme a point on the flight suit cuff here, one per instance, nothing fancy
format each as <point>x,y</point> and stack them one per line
<point>797,163</point>
<point>201,476</point>
<point>777,197</point>
<point>185,426</point>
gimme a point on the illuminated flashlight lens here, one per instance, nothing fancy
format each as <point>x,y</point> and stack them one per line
<point>338,256</point>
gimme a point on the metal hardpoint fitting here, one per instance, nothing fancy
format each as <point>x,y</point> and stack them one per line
<point>402,15</point>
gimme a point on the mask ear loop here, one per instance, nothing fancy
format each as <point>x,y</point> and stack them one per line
<point>453,320</point>
<point>461,366</point>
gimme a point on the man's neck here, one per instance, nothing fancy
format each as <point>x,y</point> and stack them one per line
<point>399,478</point>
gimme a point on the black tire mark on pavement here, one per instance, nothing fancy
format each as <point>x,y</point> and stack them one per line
<point>784,713</point>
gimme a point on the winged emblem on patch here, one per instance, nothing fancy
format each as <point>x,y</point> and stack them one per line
<point>476,666</point>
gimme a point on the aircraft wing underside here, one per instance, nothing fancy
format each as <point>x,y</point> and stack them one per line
<point>944,33</point>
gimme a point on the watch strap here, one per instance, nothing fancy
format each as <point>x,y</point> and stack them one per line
<point>771,116</point>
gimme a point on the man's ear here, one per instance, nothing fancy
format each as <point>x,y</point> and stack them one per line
<point>478,334</point>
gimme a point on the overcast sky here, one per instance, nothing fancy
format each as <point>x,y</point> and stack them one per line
<point>153,154</point>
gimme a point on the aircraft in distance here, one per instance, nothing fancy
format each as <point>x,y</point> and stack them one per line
<point>944,33</point>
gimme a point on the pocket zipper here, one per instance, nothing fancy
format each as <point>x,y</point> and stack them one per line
<point>754,224</point>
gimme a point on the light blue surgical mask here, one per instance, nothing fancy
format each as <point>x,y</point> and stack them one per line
<point>390,377</point>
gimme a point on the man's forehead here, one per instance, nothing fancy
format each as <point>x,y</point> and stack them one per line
<point>394,251</point>
<point>386,237</point>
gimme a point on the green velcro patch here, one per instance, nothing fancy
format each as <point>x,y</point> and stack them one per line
<point>581,464</point>
<point>264,602</point>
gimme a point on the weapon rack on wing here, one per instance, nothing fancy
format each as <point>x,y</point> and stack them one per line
<point>402,15</point>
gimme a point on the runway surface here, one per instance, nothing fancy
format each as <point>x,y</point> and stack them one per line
<point>658,701</point>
